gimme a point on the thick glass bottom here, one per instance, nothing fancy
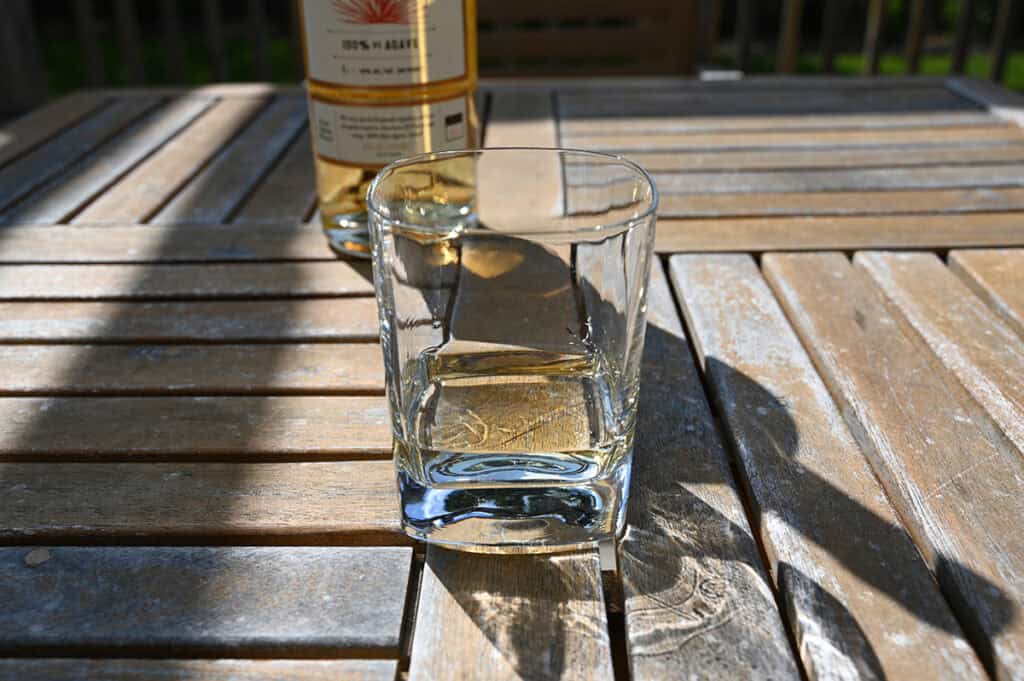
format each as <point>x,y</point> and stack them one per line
<point>516,518</point>
<point>348,234</point>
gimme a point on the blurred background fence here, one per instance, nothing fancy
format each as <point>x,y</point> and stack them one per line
<point>49,47</point>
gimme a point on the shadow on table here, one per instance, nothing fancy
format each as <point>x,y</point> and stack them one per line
<point>121,477</point>
<point>531,628</point>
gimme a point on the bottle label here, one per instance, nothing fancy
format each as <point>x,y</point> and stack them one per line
<point>378,135</point>
<point>369,43</point>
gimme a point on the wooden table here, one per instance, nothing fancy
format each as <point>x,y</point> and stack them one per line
<point>829,477</point>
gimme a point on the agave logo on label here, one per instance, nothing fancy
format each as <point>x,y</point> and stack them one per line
<point>376,11</point>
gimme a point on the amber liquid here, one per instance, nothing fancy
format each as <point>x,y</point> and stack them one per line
<point>341,187</point>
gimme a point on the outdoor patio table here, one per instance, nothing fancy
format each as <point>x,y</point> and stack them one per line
<point>194,444</point>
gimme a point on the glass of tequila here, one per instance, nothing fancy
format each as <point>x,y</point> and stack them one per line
<point>511,287</point>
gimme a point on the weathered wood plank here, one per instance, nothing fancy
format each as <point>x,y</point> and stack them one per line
<point>521,119</point>
<point>160,503</point>
<point>964,135</point>
<point>967,337</point>
<point>858,179</point>
<point>17,179</point>
<point>998,278</point>
<point>844,232</point>
<point>35,127</point>
<point>148,281</point>
<point>698,603</point>
<point>320,368</point>
<point>954,478</point>
<point>795,96</point>
<point>287,195</point>
<point>998,100</point>
<point>177,243</point>
<point>241,428</point>
<point>521,617</point>
<point>218,189</point>
<point>193,321</point>
<point>828,159</point>
<point>608,122</point>
<point>296,600</point>
<point>63,194</point>
<point>14,669</point>
<point>861,600</point>
<point>842,202</point>
<point>146,188</point>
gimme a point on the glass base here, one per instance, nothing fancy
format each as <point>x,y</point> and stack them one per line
<point>521,518</point>
<point>348,235</point>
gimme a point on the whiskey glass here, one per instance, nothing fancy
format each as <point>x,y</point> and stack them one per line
<point>511,288</point>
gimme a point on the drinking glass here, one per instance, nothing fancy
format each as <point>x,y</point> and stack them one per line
<point>511,287</point>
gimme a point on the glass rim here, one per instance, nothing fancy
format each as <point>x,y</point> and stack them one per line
<point>429,156</point>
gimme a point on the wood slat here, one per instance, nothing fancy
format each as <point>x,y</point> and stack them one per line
<point>32,129</point>
<point>259,37</point>
<point>144,243</point>
<point>149,281</point>
<point>849,179</point>
<point>795,97</point>
<point>287,195</point>
<point>19,178</point>
<point>62,195</point>
<point>240,428</point>
<point>999,101</point>
<point>223,185</point>
<point>21,63</point>
<point>14,669</point>
<point>158,503</point>
<point>129,42</point>
<point>967,337</point>
<point>744,28</point>
<point>842,203</point>
<point>298,600</point>
<point>522,617</point>
<point>962,39</point>
<point>586,42</point>
<point>827,159</point>
<point>829,26</point>
<point>843,232</point>
<point>173,40</point>
<point>213,28</point>
<point>194,321</point>
<point>607,123</point>
<point>916,29</point>
<point>872,36</point>
<point>965,136</point>
<point>140,193</point>
<point>698,603</point>
<point>1005,17</point>
<point>789,36</point>
<point>89,36</point>
<point>861,601</point>
<point>998,279</point>
<point>953,477</point>
<point>319,368</point>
